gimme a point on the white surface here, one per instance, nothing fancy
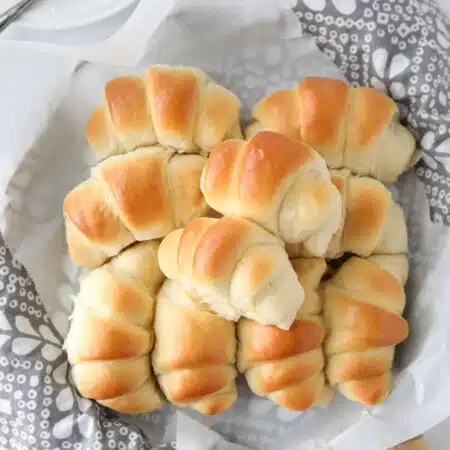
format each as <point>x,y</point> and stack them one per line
<point>60,14</point>
<point>28,100</point>
<point>438,438</point>
<point>445,6</point>
<point>23,115</point>
<point>119,39</point>
<point>6,4</point>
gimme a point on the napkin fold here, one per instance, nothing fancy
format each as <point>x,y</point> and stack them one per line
<point>122,40</point>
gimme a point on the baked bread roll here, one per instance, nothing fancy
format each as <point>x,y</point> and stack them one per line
<point>372,222</point>
<point>177,107</point>
<point>195,352</point>
<point>111,334</point>
<point>277,182</point>
<point>287,366</point>
<point>236,267</point>
<point>134,197</point>
<point>364,302</point>
<point>355,128</point>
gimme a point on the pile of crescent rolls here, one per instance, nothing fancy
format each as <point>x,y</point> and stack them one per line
<point>281,256</point>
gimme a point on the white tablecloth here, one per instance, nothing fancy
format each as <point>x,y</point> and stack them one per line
<point>438,438</point>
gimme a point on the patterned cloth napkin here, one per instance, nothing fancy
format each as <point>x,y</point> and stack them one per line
<point>401,47</point>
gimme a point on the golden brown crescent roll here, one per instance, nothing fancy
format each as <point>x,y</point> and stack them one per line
<point>111,333</point>
<point>355,128</point>
<point>288,365</point>
<point>364,302</point>
<point>236,267</point>
<point>177,107</point>
<point>195,352</point>
<point>372,222</point>
<point>277,182</point>
<point>134,197</point>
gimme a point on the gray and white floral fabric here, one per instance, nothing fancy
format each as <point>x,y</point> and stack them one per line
<point>39,406</point>
<point>399,46</point>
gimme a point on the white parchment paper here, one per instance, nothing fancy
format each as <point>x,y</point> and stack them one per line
<point>251,59</point>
